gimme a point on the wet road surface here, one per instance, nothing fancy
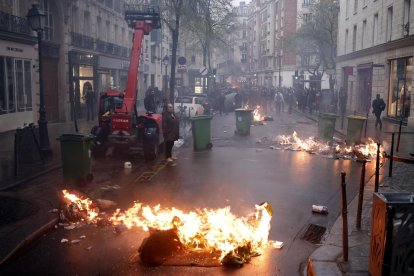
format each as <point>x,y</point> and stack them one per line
<point>238,172</point>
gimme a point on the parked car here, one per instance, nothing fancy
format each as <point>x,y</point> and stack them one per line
<point>191,106</point>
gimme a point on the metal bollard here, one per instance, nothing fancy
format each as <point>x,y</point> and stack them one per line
<point>361,195</point>
<point>344,218</point>
<point>399,136</point>
<point>392,155</point>
<point>377,168</point>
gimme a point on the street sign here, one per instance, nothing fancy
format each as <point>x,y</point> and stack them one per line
<point>182,61</point>
<point>203,71</point>
<point>181,68</point>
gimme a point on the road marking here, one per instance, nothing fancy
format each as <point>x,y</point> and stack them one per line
<point>149,174</point>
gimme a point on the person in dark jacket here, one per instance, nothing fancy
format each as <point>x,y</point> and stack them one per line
<point>171,131</point>
<point>149,101</point>
<point>378,105</point>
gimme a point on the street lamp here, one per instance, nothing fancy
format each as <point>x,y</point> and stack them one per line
<point>36,20</point>
<point>165,61</point>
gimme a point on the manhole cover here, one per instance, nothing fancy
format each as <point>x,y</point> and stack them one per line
<point>314,233</point>
<point>13,209</point>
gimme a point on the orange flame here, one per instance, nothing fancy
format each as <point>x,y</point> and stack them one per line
<point>366,150</point>
<point>256,114</point>
<point>211,230</point>
<point>83,204</point>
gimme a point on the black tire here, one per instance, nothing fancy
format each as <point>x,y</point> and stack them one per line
<point>151,151</point>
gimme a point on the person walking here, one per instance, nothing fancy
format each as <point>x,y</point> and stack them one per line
<point>90,102</point>
<point>378,105</point>
<point>171,132</point>
<point>279,102</point>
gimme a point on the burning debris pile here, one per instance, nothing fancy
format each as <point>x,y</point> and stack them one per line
<point>218,232</point>
<point>336,149</point>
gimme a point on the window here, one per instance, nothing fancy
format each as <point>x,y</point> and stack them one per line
<point>400,87</point>
<point>389,24</point>
<point>355,6</point>
<point>193,59</point>
<point>406,19</point>
<point>15,85</point>
<point>306,3</point>
<point>108,31</point>
<point>48,31</point>
<point>364,33</point>
<point>87,23</point>
<point>375,30</point>
<point>354,38</point>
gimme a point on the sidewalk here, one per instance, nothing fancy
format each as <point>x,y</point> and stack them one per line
<point>328,258</point>
<point>28,171</point>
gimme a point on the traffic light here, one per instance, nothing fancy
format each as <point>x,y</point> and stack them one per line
<point>214,72</point>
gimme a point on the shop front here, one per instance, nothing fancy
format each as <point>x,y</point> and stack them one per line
<point>400,88</point>
<point>82,77</point>
<point>112,73</point>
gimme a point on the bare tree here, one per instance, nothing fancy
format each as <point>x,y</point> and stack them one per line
<point>316,39</point>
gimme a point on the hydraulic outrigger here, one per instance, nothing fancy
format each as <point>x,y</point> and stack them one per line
<point>120,126</point>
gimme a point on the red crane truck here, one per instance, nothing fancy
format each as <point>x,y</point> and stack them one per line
<point>120,125</point>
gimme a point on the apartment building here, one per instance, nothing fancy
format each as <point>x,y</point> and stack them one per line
<point>232,61</point>
<point>375,56</point>
<point>269,22</point>
<point>84,43</point>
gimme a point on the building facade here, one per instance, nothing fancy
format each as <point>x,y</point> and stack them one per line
<point>271,63</point>
<point>375,56</point>
<point>85,43</point>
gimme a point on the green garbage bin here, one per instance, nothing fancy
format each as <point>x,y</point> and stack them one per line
<point>354,131</point>
<point>326,126</point>
<point>200,126</point>
<point>76,157</point>
<point>243,121</point>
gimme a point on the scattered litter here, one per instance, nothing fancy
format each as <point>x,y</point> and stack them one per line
<point>105,204</point>
<point>225,131</point>
<point>88,248</point>
<point>56,226</point>
<point>274,148</point>
<point>63,224</point>
<point>268,118</point>
<point>75,241</point>
<point>53,211</point>
<point>276,244</point>
<point>127,165</point>
<point>83,237</point>
<point>320,209</point>
<point>64,240</point>
<point>70,227</point>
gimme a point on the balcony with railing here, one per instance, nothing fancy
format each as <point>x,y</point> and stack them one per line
<point>82,41</point>
<point>14,24</point>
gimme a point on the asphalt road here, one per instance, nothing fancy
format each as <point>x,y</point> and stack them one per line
<point>239,172</point>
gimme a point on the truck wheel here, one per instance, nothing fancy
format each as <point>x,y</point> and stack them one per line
<point>151,151</point>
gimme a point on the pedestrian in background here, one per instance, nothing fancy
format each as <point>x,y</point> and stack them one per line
<point>279,102</point>
<point>171,132</point>
<point>89,100</point>
<point>378,105</point>
<point>221,102</point>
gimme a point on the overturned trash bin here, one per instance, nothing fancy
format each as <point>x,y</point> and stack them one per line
<point>200,126</point>
<point>326,126</point>
<point>392,234</point>
<point>243,121</point>
<point>354,130</point>
<point>76,157</point>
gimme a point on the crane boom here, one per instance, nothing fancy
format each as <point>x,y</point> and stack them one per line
<point>143,19</point>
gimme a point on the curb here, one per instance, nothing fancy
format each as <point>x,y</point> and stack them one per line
<point>30,178</point>
<point>29,239</point>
